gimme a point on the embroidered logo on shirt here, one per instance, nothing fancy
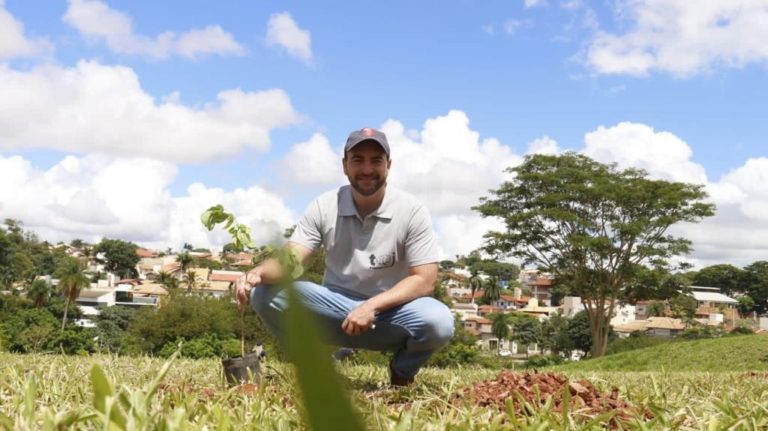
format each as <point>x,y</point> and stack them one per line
<point>382,262</point>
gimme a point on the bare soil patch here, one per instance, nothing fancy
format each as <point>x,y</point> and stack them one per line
<point>529,390</point>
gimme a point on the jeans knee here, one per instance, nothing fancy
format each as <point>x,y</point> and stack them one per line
<point>438,327</point>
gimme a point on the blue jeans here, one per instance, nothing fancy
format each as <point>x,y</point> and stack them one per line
<point>414,330</point>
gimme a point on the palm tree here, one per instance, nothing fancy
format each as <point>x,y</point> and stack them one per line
<point>475,282</point>
<point>185,259</point>
<point>500,326</point>
<point>167,280</point>
<point>190,278</point>
<point>39,292</point>
<point>72,278</point>
<point>492,290</point>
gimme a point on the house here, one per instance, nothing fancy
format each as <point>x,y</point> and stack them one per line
<point>512,302</point>
<point>464,309</point>
<point>485,310</point>
<point>228,276</point>
<point>96,298</point>
<point>664,326</point>
<point>711,298</point>
<point>540,312</point>
<point>456,285</point>
<point>140,295</point>
<point>540,285</point>
<point>642,308</point>
<point>150,266</point>
<point>480,327</point>
<point>146,253</point>
<point>622,313</point>
<point>214,288</point>
<point>654,326</point>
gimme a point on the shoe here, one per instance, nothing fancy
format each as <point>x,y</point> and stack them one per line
<point>396,379</point>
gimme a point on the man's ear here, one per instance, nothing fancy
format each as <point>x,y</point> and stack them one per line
<point>389,163</point>
<point>344,164</point>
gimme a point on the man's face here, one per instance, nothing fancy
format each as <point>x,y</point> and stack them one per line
<point>366,165</point>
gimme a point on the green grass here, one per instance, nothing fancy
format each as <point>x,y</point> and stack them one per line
<point>735,353</point>
<point>53,391</point>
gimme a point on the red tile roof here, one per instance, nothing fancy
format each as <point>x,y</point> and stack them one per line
<point>226,276</point>
<point>144,252</point>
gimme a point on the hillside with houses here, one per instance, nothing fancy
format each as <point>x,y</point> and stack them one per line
<point>505,310</point>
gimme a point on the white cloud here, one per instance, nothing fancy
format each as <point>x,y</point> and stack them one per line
<point>461,234</point>
<point>543,145</point>
<point>446,165</point>
<point>488,29</point>
<point>14,43</point>
<point>512,25</point>
<point>127,198</point>
<point>662,154</point>
<point>313,162</point>
<point>95,20</point>
<point>97,108</point>
<point>682,37</point>
<point>283,31</point>
<point>534,3</point>
<point>738,233</point>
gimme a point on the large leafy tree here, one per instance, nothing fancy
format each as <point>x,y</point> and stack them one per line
<point>526,329</point>
<point>728,278</point>
<point>72,279</point>
<point>592,226</point>
<point>756,284</point>
<point>119,257</point>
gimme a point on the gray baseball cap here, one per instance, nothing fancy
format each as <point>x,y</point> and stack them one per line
<point>367,134</point>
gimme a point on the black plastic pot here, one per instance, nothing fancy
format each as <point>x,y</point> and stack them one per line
<point>239,370</point>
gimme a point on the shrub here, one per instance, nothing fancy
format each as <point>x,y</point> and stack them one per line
<point>207,346</point>
<point>702,331</point>
<point>742,330</point>
<point>540,361</point>
<point>455,354</point>
<point>72,341</point>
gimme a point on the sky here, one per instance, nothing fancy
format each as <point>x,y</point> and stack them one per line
<point>127,119</point>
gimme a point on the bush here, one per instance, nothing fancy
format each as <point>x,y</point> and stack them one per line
<point>157,331</point>
<point>702,331</point>
<point>72,341</point>
<point>207,346</point>
<point>29,329</point>
<point>455,354</point>
<point>741,330</point>
<point>541,361</point>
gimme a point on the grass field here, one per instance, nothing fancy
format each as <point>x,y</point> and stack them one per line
<point>53,392</point>
<point>739,353</point>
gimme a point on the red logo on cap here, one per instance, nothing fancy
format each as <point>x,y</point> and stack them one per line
<point>368,131</point>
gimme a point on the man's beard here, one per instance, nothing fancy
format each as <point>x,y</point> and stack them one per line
<point>377,184</point>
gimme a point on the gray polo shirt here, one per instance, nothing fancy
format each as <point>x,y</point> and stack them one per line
<point>367,256</point>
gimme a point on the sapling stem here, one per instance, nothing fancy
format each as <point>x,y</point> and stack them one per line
<point>242,332</point>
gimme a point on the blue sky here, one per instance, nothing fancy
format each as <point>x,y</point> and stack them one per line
<point>133,108</point>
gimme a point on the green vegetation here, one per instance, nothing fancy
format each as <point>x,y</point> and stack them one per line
<point>593,226</point>
<point>726,354</point>
<point>52,391</point>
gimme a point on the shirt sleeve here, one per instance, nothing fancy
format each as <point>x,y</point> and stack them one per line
<point>309,232</point>
<point>420,243</point>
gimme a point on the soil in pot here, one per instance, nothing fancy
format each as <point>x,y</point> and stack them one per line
<point>242,369</point>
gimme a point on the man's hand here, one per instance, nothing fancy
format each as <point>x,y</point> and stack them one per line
<point>359,320</point>
<point>244,285</point>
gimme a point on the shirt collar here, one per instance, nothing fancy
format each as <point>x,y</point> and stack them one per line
<point>347,205</point>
